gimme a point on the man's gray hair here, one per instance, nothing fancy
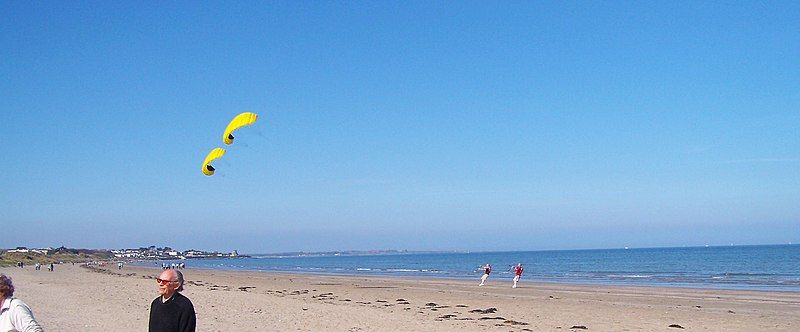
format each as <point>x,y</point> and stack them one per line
<point>180,280</point>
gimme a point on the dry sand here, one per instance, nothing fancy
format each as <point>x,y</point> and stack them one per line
<point>75,298</point>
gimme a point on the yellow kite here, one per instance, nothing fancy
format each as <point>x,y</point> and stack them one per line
<point>214,154</point>
<point>241,120</point>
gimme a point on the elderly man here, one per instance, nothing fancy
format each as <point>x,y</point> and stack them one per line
<point>14,314</point>
<point>171,311</point>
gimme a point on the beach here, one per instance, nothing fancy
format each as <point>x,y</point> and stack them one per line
<point>76,298</point>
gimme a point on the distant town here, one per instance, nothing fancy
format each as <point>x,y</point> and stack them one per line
<point>163,253</point>
<point>154,253</point>
<point>143,253</point>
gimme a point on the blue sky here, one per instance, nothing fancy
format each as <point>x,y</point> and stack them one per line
<point>400,125</point>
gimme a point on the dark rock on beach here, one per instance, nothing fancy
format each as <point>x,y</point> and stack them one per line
<point>484,311</point>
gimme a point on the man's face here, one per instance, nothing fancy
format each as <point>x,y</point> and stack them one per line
<point>167,283</point>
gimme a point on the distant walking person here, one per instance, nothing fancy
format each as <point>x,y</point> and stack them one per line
<point>171,311</point>
<point>51,268</point>
<point>486,270</point>
<point>517,274</point>
<point>15,315</point>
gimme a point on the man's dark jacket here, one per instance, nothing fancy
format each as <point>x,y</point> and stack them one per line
<point>175,315</point>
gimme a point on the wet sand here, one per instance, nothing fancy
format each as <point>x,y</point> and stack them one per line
<point>74,298</point>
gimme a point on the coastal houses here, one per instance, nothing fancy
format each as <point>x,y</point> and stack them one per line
<point>155,253</point>
<point>143,253</point>
<point>42,251</point>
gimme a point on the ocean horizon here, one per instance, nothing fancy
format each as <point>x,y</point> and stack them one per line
<point>741,267</point>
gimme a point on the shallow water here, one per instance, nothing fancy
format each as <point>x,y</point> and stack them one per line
<point>774,267</point>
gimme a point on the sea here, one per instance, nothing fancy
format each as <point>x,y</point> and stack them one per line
<point>763,267</point>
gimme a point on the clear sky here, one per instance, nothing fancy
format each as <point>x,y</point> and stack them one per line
<point>431,125</point>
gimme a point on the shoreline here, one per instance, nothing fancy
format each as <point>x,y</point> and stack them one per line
<point>494,283</point>
<point>100,299</point>
<point>508,278</point>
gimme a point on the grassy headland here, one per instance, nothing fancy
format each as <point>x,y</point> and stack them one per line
<point>54,256</point>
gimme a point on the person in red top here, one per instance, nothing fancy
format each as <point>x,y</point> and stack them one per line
<point>517,274</point>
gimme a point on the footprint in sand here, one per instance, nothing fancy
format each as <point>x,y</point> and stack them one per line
<point>513,322</point>
<point>324,296</point>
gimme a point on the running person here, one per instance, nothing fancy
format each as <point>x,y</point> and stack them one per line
<point>517,274</point>
<point>486,271</point>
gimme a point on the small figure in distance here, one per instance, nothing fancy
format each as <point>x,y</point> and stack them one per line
<point>171,311</point>
<point>486,270</point>
<point>517,274</point>
<point>15,315</point>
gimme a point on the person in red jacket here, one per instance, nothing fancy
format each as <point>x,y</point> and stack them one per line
<point>517,274</point>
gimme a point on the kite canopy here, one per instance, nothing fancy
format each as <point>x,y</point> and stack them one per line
<point>241,120</point>
<point>208,170</point>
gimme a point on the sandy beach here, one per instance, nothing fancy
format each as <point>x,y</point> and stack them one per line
<point>75,298</point>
